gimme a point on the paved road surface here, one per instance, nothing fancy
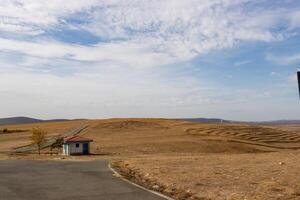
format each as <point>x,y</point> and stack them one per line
<point>62,180</point>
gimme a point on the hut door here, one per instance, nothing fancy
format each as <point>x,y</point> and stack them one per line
<point>86,148</point>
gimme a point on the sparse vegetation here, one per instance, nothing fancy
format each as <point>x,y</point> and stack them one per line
<point>6,131</point>
<point>58,144</point>
<point>206,161</point>
<point>38,137</point>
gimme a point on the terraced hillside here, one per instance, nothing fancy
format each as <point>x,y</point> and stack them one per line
<point>150,136</point>
<point>260,135</point>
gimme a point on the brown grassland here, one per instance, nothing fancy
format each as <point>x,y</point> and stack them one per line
<point>186,160</point>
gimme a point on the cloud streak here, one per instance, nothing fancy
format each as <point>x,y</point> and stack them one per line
<point>169,31</point>
<point>284,59</point>
<point>135,64</point>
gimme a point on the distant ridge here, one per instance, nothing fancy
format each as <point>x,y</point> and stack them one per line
<point>25,120</point>
<point>218,120</point>
<point>28,120</point>
<point>207,120</point>
<point>280,122</point>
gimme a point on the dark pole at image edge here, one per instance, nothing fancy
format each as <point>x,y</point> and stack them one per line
<point>298,75</point>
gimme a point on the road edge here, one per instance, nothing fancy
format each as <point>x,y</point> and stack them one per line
<point>136,185</point>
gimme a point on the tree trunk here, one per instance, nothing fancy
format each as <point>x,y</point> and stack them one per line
<point>39,149</point>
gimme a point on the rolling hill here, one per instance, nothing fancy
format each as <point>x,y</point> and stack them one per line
<point>206,158</point>
<point>25,120</point>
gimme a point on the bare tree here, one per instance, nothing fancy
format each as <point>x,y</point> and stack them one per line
<point>57,144</point>
<point>38,137</point>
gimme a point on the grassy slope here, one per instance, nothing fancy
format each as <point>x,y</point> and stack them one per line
<point>136,136</point>
<point>12,140</point>
<point>148,136</point>
<point>211,160</point>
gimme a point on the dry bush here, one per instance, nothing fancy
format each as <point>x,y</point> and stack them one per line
<point>38,137</point>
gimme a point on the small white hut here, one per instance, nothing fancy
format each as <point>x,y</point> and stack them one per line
<point>76,145</point>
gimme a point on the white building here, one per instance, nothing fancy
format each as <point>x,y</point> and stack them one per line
<point>76,145</point>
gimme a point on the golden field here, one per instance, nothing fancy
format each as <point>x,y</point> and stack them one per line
<point>187,160</point>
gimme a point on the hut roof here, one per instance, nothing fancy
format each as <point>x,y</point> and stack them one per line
<point>76,138</point>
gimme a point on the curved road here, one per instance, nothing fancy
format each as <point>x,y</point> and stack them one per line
<point>60,180</point>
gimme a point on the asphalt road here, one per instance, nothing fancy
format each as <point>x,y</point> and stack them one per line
<point>62,180</point>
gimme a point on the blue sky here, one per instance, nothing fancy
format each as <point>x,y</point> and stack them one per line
<point>234,59</point>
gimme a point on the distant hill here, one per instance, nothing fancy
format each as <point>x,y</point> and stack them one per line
<point>206,120</point>
<point>279,122</point>
<point>217,120</point>
<point>28,120</point>
<point>24,120</point>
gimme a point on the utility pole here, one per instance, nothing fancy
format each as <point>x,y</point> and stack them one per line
<point>298,75</point>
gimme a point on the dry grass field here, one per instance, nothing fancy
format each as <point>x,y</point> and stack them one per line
<point>13,140</point>
<point>261,176</point>
<point>188,160</point>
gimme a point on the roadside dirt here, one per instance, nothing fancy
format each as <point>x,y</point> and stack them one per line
<point>218,177</point>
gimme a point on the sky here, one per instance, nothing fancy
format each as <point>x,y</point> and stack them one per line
<point>231,59</point>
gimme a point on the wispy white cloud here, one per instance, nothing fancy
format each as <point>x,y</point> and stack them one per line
<point>284,59</point>
<point>242,62</point>
<point>122,74</point>
<point>34,17</point>
<point>168,31</point>
<point>294,19</point>
<point>132,54</point>
<point>102,94</point>
<point>292,79</point>
<point>286,79</point>
<point>134,94</point>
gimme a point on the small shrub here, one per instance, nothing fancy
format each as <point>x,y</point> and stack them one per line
<point>57,144</point>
